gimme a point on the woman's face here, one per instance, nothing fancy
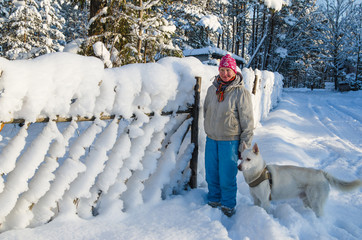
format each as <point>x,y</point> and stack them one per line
<point>226,74</point>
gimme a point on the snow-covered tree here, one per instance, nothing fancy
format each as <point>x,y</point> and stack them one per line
<point>294,50</point>
<point>333,35</point>
<point>76,17</point>
<point>151,32</point>
<point>130,32</point>
<point>31,29</point>
<point>353,66</point>
<point>197,25</point>
<point>53,22</point>
<point>4,15</point>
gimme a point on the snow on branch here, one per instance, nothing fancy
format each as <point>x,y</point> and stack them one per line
<point>276,4</point>
<point>145,5</point>
<point>211,22</point>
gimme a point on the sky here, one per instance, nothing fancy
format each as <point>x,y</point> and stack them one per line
<point>137,172</point>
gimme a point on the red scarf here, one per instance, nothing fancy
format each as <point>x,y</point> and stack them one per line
<point>221,88</point>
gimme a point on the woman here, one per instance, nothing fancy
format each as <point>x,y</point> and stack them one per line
<point>228,123</point>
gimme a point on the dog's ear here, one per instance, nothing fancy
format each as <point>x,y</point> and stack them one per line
<point>244,146</point>
<point>256,149</point>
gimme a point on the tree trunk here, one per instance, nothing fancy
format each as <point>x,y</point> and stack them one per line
<point>237,43</point>
<point>253,31</point>
<point>95,6</point>
<point>233,32</point>
<point>139,41</point>
<point>270,43</point>
<point>96,27</point>
<point>358,58</point>
<point>243,31</point>
<point>266,27</point>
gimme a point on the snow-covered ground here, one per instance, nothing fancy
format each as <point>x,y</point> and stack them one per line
<point>320,129</point>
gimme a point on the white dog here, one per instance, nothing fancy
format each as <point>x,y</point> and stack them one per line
<point>273,182</point>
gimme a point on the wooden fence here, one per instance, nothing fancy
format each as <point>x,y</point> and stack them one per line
<point>96,166</point>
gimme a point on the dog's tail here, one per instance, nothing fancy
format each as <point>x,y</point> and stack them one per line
<point>342,185</point>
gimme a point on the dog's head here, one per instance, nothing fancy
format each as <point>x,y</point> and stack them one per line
<point>250,158</point>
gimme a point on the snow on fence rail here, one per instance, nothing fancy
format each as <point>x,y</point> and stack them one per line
<point>109,139</point>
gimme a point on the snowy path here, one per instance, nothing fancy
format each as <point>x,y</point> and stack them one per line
<point>312,129</point>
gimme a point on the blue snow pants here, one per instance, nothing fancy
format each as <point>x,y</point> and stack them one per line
<point>221,159</point>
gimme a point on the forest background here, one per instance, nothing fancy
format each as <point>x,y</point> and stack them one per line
<point>309,42</point>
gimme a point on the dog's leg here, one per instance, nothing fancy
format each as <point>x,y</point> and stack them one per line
<point>256,200</point>
<point>317,196</point>
<point>305,200</point>
<point>260,199</point>
<point>265,203</point>
<point>262,194</point>
<point>261,202</point>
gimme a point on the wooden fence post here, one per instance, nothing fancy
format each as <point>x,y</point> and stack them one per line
<point>255,84</point>
<point>195,134</point>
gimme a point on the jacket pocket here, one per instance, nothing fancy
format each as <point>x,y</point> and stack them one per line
<point>232,123</point>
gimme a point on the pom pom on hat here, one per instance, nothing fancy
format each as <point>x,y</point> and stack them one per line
<point>228,62</point>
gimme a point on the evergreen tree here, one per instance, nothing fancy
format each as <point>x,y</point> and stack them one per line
<point>130,32</point>
<point>76,17</point>
<point>53,22</point>
<point>151,32</point>
<point>29,30</point>
<point>193,23</point>
<point>4,15</point>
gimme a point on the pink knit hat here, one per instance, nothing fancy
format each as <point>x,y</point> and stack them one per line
<point>228,62</point>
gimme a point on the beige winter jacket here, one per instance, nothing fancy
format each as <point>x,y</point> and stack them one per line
<point>231,119</point>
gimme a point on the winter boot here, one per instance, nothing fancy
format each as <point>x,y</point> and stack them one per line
<point>214,204</point>
<point>228,211</point>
